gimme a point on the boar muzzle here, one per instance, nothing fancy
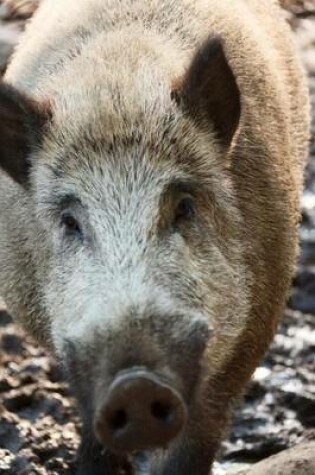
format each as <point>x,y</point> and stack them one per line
<point>139,412</point>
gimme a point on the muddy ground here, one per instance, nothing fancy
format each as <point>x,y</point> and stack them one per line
<point>39,424</point>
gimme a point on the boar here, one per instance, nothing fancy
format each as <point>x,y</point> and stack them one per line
<point>152,155</point>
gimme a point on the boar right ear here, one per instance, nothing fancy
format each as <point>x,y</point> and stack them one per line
<point>209,91</point>
<point>20,122</point>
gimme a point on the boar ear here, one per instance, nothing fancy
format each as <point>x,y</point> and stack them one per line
<point>209,90</point>
<point>20,122</point>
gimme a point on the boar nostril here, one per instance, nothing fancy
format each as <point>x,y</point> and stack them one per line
<point>161,411</point>
<point>118,420</point>
<point>140,412</point>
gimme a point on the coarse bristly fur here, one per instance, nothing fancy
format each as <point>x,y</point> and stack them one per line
<point>153,156</point>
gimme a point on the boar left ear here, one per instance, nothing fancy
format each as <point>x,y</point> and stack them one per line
<point>209,90</point>
<point>20,122</point>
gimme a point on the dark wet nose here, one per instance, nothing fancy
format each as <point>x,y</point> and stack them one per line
<point>140,412</point>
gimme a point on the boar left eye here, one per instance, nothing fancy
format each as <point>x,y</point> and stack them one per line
<point>185,210</point>
<point>70,224</point>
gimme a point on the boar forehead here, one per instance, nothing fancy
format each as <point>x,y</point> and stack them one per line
<point>112,109</point>
<point>120,144</point>
<point>122,106</point>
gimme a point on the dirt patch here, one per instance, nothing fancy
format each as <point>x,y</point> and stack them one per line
<point>39,424</point>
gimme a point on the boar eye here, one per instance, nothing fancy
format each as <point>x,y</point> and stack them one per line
<point>185,210</point>
<point>70,224</point>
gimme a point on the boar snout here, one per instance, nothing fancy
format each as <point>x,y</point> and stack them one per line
<point>139,412</point>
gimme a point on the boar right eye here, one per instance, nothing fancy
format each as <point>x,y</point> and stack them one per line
<point>70,224</point>
<point>185,210</point>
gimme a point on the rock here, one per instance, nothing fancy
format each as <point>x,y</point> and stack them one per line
<point>300,460</point>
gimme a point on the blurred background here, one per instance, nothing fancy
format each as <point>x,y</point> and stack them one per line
<point>39,425</point>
